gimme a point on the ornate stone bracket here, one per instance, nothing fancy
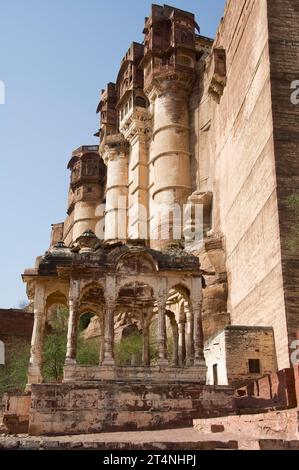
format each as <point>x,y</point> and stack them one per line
<point>137,125</point>
<point>219,77</point>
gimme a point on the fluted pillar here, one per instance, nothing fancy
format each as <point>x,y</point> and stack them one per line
<point>169,160</point>
<point>72,333</point>
<point>136,131</point>
<point>115,155</point>
<point>36,352</point>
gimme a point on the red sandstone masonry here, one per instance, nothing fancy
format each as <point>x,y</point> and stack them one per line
<point>274,391</point>
<point>92,407</point>
<point>283,18</point>
<point>15,322</point>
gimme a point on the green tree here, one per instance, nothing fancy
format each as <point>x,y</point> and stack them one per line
<point>13,375</point>
<point>128,351</point>
<point>88,351</point>
<point>55,346</point>
<point>54,355</point>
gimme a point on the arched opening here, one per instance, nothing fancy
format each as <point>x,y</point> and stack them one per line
<point>90,338</point>
<point>90,330</point>
<point>134,308</point>
<point>179,327</point>
<point>55,334</point>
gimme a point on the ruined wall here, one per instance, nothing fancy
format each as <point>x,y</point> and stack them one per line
<point>236,161</point>
<point>277,390</point>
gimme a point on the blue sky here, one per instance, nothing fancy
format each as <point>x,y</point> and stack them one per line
<point>55,57</point>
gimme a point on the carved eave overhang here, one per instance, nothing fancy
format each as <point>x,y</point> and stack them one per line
<point>174,259</point>
<point>105,259</point>
<point>30,274</point>
<point>58,255</point>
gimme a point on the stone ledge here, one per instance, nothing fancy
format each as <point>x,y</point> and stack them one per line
<point>154,374</point>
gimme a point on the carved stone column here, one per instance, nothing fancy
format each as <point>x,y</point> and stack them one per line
<point>109,334</point>
<point>136,128</point>
<point>170,189</point>
<point>74,296</point>
<point>145,344</point>
<point>162,346</point>
<point>175,334</point>
<point>198,333</point>
<point>196,307</point>
<point>102,339</point>
<point>182,342</point>
<point>189,338</point>
<point>115,155</point>
<point>36,353</point>
<point>110,297</point>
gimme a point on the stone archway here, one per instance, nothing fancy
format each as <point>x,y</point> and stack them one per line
<point>136,300</point>
<point>182,324</point>
<point>54,337</point>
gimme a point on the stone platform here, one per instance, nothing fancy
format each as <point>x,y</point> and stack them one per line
<point>103,406</point>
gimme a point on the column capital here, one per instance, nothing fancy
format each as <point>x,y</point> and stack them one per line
<point>115,146</point>
<point>137,126</point>
<point>176,82</point>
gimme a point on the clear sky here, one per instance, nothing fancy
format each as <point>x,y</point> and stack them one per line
<point>55,57</point>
